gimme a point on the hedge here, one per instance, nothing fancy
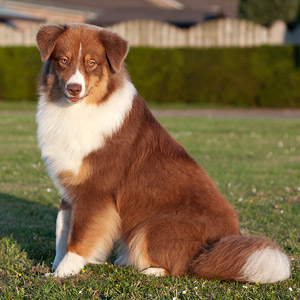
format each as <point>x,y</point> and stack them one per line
<point>19,69</point>
<point>248,77</point>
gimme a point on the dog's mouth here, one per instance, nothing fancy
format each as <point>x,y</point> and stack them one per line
<point>74,99</point>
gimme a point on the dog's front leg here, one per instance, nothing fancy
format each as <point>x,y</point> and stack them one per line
<point>93,231</point>
<point>62,231</point>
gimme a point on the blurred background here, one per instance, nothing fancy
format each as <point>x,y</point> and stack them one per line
<point>206,53</point>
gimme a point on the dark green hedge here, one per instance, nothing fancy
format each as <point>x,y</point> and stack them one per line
<point>19,69</point>
<point>262,77</point>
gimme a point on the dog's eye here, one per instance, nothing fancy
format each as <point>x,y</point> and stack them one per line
<point>91,63</point>
<point>64,61</point>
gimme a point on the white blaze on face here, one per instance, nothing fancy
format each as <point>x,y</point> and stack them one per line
<point>80,52</point>
<point>77,78</point>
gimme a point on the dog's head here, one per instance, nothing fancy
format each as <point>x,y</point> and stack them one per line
<point>82,61</point>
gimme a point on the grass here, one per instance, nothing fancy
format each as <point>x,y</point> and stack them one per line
<point>255,163</point>
<point>17,105</point>
<point>30,105</point>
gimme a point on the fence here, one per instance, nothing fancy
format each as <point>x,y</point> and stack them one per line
<point>215,33</point>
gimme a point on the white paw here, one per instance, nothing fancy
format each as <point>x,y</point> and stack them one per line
<point>71,264</point>
<point>158,272</point>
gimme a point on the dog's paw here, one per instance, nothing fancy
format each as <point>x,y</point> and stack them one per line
<point>71,264</point>
<point>158,272</point>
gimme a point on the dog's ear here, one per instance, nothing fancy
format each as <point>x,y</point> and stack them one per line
<point>116,48</point>
<point>46,39</point>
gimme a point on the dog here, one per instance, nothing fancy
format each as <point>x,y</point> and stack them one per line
<point>123,178</point>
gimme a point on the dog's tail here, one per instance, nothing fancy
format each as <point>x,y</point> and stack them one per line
<point>242,259</point>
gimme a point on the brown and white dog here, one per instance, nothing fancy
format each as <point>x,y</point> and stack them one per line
<point>123,178</point>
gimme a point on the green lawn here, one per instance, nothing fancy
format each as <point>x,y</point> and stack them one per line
<point>255,163</point>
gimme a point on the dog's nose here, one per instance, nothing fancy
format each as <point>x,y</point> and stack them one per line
<point>74,89</point>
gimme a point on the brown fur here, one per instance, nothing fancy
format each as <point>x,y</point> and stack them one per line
<point>102,228</point>
<point>142,186</point>
<point>68,178</point>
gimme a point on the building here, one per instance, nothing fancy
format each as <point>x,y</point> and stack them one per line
<point>182,13</point>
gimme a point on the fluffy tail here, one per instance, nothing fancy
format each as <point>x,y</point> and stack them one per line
<point>242,259</point>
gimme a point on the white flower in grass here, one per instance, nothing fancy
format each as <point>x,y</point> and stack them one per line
<point>48,190</point>
<point>79,292</point>
<point>245,287</point>
<point>175,298</point>
<point>290,289</point>
<point>184,292</point>
<point>280,144</point>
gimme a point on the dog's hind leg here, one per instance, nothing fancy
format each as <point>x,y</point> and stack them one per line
<point>171,241</point>
<point>62,231</point>
<point>137,255</point>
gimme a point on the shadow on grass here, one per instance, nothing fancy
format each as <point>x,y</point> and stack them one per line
<point>31,224</point>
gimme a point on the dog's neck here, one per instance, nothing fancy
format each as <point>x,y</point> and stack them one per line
<point>67,132</point>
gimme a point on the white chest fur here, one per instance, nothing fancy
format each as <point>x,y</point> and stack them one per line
<point>69,132</point>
